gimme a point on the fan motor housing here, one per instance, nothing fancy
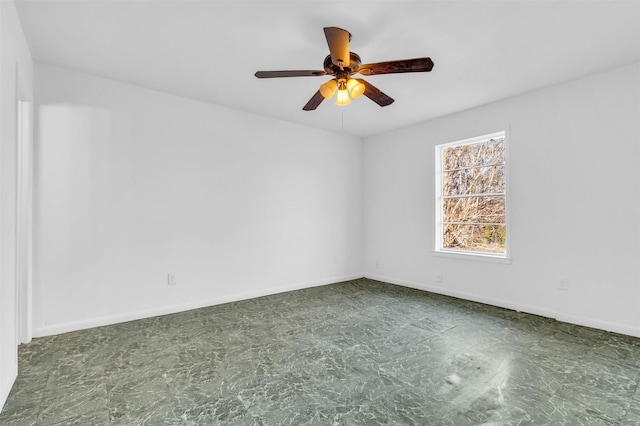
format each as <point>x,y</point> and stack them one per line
<point>354,64</point>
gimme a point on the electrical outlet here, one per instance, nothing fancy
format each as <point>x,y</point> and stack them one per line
<point>171,278</point>
<point>377,264</point>
<point>438,278</point>
<point>563,284</point>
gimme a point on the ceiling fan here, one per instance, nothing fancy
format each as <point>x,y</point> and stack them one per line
<point>342,64</point>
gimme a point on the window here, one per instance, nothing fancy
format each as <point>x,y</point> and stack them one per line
<point>471,200</point>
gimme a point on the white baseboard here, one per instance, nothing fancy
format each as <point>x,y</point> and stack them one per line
<point>531,309</point>
<point>466,296</point>
<point>6,385</point>
<point>165,310</point>
<point>52,329</point>
<point>601,325</point>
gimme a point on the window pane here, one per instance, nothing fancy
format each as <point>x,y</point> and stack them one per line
<point>471,195</point>
<point>474,209</point>
<point>482,238</point>
<point>474,181</point>
<point>480,154</point>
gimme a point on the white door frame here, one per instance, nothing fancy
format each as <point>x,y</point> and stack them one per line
<point>24,212</point>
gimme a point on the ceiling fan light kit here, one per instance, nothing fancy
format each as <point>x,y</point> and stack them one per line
<point>349,89</point>
<point>341,63</point>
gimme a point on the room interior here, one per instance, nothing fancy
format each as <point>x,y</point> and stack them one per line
<point>157,175</point>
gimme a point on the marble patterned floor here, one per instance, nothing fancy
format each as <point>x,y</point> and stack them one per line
<point>355,353</point>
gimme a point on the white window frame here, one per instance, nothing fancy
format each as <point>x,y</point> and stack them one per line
<point>461,254</point>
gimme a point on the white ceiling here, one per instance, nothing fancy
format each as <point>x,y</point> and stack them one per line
<point>209,50</point>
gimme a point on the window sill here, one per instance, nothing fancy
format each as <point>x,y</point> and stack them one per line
<point>482,257</point>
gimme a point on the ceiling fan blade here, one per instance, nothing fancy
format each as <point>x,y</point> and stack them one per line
<point>314,102</point>
<point>338,41</point>
<point>291,73</point>
<point>373,93</point>
<point>391,67</point>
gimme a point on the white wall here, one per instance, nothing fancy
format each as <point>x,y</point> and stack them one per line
<point>133,184</point>
<point>575,188</point>
<point>16,74</point>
